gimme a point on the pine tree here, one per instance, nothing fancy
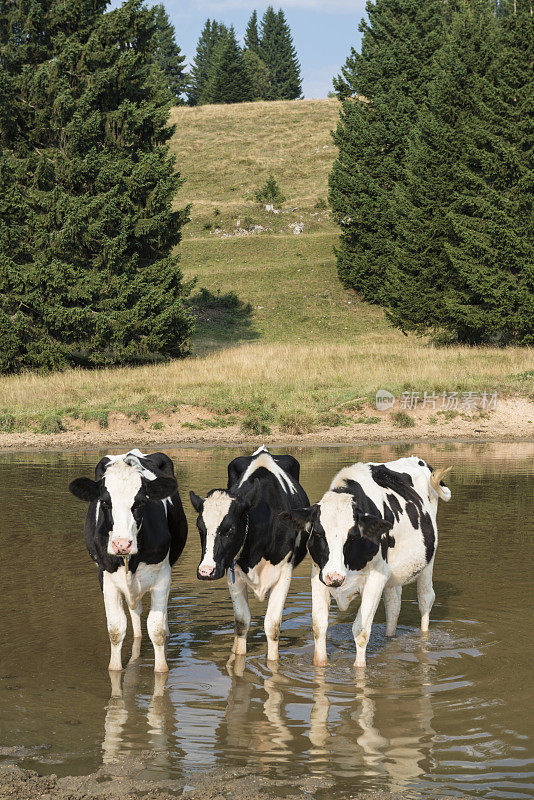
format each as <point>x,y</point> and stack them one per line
<point>258,75</point>
<point>87,271</point>
<point>277,51</point>
<point>169,55</point>
<point>212,33</point>
<point>514,72</point>
<point>463,266</point>
<point>228,81</point>
<point>252,41</point>
<point>381,90</point>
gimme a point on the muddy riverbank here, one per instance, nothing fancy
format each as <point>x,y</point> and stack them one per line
<point>511,420</point>
<point>22,784</point>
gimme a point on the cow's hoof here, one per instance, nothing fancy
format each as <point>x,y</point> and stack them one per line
<point>320,662</point>
<point>115,668</point>
<point>359,664</point>
<point>161,669</point>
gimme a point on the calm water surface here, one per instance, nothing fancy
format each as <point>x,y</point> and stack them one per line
<point>451,713</point>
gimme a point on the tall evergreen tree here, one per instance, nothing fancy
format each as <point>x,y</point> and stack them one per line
<point>212,33</point>
<point>277,51</point>
<point>87,271</point>
<point>252,39</point>
<point>381,90</point>
<point>169,55</point>
<point>229,81</point>
<point>463,265</point>
<point>258,75</point>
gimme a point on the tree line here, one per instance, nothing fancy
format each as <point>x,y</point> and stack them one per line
<point>265,68</point>
<point>433,184</point>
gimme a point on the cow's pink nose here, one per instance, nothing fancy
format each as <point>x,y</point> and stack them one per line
<point>122,547</point>
<point>334,579</point>
<point>205,571</point>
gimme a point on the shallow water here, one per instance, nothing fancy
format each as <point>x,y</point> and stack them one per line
<point>450,713</point>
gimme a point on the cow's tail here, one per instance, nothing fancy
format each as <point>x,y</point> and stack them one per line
<point>436,478</point>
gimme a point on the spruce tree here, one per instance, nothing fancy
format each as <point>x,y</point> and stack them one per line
<point>277,51</point>
<point>212,33</point>
<point>87,271</point>
<point>258,75</point>
<point>169,56</point>
<point>252,40</point>
<point>381,90</point>
<point>463,266</point>
<point>228,81</point>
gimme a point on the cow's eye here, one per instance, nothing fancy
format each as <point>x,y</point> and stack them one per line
<point>106,506</point>
<point>227,531</point>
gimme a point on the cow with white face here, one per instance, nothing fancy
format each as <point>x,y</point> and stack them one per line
<point>135,530</point>
<point>373,532</point>
<point>243,534</point>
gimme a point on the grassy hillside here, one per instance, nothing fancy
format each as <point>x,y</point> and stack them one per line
<point>279,342</point>
<point>225,153</point>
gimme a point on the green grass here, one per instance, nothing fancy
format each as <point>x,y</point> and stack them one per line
<point>291,285</point>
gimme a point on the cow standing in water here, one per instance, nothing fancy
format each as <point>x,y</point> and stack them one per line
<point>374,531</point>
<point>243,535</point>
<point>135,530</point>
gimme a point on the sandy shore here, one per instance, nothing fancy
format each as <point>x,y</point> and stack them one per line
<point>511,420</point>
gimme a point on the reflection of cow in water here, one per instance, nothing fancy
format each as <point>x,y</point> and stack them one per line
<point>243,534</point>
<point>135,530</point>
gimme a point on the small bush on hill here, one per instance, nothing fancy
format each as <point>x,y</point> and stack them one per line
<point>270,192</point>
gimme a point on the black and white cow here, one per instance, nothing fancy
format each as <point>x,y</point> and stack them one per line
<point>135,529</point>
<point>243,535</point>
<point>374,531</point>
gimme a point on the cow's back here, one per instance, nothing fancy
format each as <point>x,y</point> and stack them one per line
<point>399,492</point>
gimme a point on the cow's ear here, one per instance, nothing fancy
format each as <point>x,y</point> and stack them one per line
<point>373,528</point>
<point>301,518</point>
<point>85,489</point>
<point>161,487</point>
<point>250,495</point>
<point>197,502</point>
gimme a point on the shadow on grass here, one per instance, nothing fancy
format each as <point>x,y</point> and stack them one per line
<point>221,320</point>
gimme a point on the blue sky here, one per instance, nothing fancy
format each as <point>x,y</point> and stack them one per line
<point>323,32</point>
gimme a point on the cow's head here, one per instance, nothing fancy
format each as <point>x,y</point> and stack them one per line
<point>222,524</point>
<point>121,495</point>
<point>341,537</point>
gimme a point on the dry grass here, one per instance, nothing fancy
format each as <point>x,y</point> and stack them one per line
<point>226,152</point>
<point>281,376</point>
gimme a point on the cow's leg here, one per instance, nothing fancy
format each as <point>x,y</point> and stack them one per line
<point>392,602</point>
<point>275,608</point>
<point>371,594</point>
<point>320,608</point>
<point>135,616</point>
<point>239,595</point>
<point>116,620</point>
<point>157,617</point>
<point>425,595</point>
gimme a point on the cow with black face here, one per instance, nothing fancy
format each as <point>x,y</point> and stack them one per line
<point>243,535</point>
<point>135,530</point>
<point>374,531</point>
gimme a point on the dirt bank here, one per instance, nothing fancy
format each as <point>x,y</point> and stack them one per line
<point>21,784</point>
<point>512,419</point>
